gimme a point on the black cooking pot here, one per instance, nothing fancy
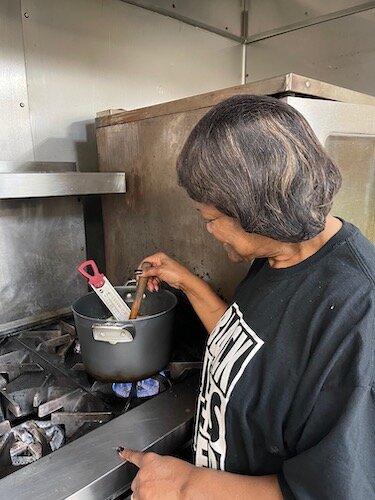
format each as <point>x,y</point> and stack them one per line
<point>125,351</point>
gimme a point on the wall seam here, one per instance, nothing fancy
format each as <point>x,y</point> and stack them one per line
<point>22,14</point>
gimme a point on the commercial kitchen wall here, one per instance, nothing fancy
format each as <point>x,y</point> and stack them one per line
<point>339,51</point>
<point>62,61</point>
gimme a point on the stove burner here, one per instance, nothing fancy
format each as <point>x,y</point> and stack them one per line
<point>142,389</point>
<point>47,399</point>
<point>29,441</point>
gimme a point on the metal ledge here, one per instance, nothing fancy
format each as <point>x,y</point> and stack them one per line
<point>7,167</point>
<point>280,86</point>
<point>40,185</point>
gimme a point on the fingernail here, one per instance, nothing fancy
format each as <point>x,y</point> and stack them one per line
<point>119,449</point>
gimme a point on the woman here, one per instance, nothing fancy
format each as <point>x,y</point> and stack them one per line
<point>286,406</point>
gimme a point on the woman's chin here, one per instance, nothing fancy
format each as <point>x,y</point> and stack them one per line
<point>233,256</point>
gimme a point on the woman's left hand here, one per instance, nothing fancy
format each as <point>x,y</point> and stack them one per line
<point>167,478</point>
<point>159,477</point>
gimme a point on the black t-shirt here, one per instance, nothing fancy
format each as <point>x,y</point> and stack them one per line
<point>288,378</point>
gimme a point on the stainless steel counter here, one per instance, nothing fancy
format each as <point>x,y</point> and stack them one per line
<point>89,468</point>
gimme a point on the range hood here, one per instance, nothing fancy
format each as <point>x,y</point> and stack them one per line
<point>48,179</point>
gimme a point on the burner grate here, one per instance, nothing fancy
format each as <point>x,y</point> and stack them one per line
<point>28,442</point>
<point>47,398</point>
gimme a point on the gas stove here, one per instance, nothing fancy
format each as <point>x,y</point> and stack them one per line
<point>52,412</point>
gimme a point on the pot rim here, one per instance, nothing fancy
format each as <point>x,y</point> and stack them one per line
<point>139,319</point>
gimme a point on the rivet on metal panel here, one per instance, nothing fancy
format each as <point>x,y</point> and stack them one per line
<point>22,104</point>
<point>27,15</point>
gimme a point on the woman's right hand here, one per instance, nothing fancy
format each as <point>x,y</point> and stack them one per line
<point>166,269</point>
<point>208,306</point>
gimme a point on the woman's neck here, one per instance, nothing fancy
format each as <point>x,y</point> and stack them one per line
<point>290,254</point>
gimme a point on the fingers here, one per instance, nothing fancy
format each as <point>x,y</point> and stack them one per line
<point>163,269</point>
<point>155,260</point>
<point>153,284</point>
<point>134,457</point>
<point>151,272</point>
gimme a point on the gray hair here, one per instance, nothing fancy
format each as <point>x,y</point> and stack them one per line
<point>255,158</point>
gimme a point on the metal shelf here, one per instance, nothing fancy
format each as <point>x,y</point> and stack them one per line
<point>55,179</point>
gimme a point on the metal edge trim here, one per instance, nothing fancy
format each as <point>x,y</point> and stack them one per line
<point>40,185</point>
<point>270,86</point>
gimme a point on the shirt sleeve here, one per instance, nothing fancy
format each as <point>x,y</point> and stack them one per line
<point>336,450</point>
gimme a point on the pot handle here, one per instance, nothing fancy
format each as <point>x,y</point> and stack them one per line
<point>113,333</point>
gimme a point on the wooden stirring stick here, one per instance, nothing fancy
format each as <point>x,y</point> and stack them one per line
<point>141,287</point>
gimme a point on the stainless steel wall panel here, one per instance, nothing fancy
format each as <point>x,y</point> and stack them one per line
<point>86,55</point>
<point>81,56</point>
<point>41,243</point>
<point>341,52</point>
<point>15,131</point>
<point>267,15</point>
<point>223,15</point>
